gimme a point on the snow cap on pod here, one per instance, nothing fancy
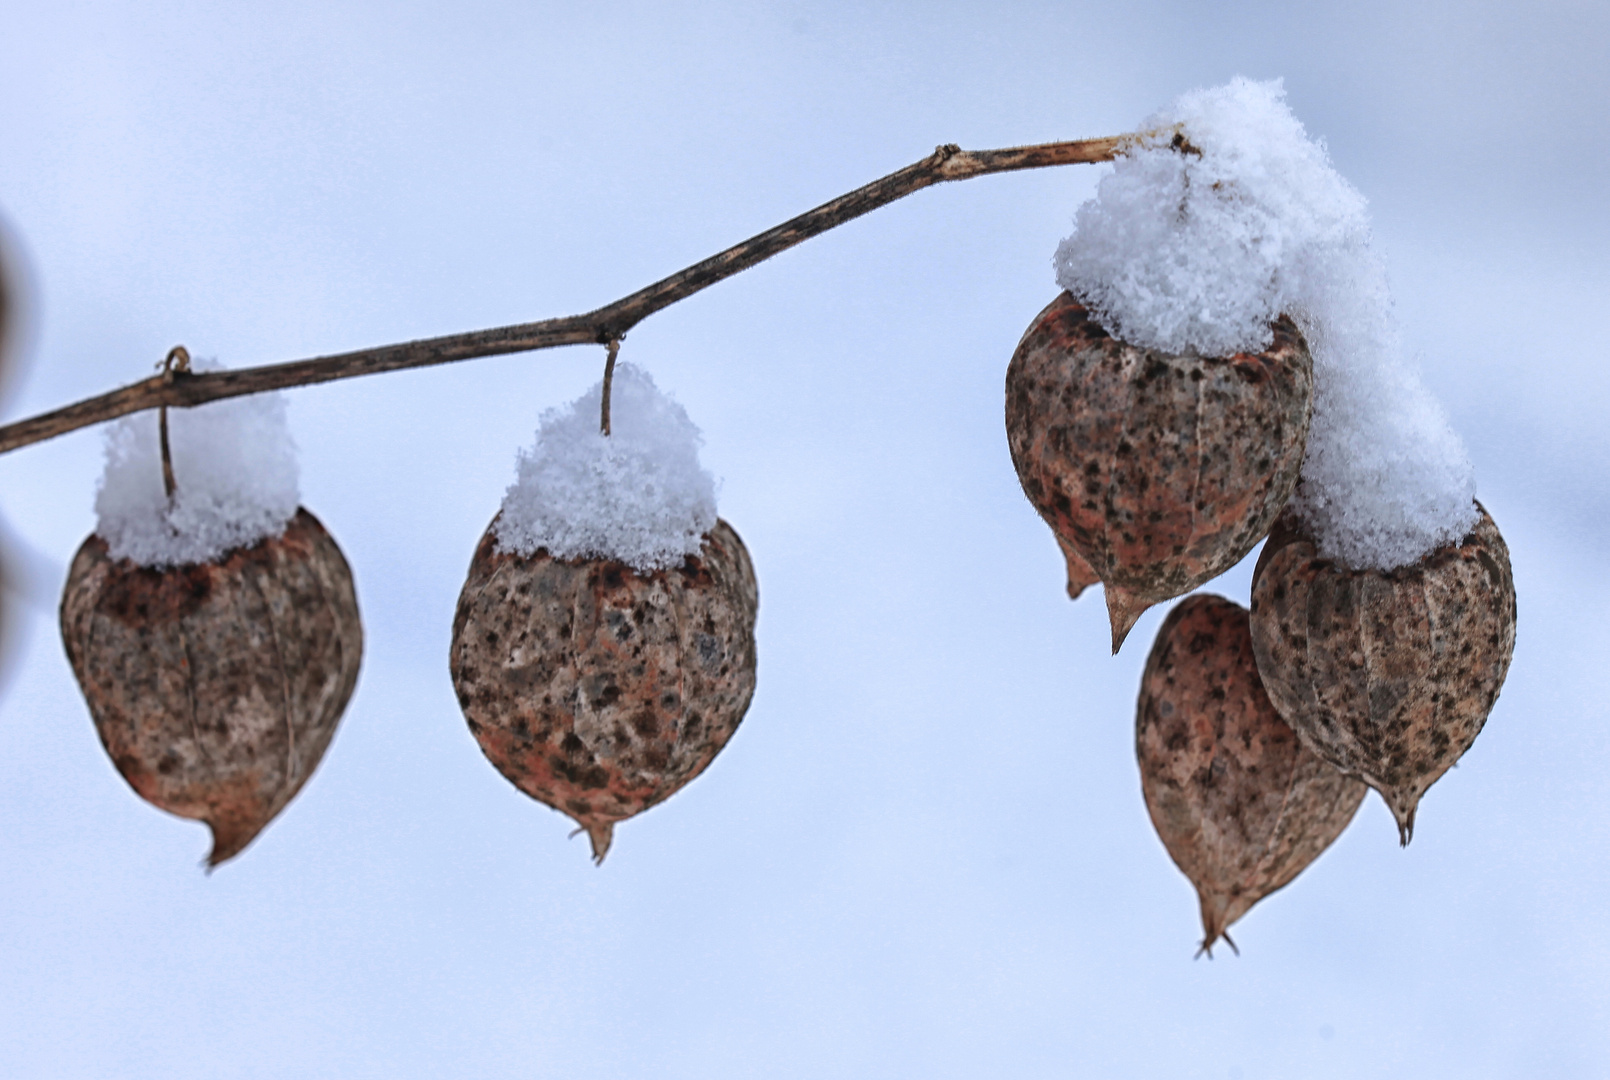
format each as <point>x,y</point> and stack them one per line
<point>1229,216</point>
<point>235,472</point>
<point>638,494</point>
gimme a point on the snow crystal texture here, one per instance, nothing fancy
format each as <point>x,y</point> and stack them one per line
<point>1184,251</point>
<point>235,481</point>
<point>638,495</point>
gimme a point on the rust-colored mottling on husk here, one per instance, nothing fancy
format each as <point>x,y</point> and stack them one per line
<point>600,691</point>
<point>1388,675</point>
<point>1241,805</point>
<point>1159,471</point>
<point>216,687</point>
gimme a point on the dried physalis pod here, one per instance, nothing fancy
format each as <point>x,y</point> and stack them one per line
<point>216,686</point>
<point>1241,805</point>
<point>598,689</point>
<point>1389,675</point>
<point>1159,471</point>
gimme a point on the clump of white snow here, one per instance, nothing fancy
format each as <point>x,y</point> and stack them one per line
<point>638,495</point>
<point>1199,251</point>
<point>235,481</point>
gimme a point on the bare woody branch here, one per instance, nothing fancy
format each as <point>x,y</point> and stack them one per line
<point>608,323</point>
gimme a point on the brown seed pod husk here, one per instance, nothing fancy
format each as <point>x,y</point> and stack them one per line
<point>1388,675</point>
<point>1241,805</point>
<point>598,690</point>
<point>216,687</point>
<point>1159,471</point>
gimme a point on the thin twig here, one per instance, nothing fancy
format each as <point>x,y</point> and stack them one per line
<point>609,381</point>
<point>608,323</point>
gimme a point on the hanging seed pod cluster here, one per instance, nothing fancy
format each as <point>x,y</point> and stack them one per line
<point>603,650</point>
<point>1219,367</point>
<point>1223,358</point>
<point>212,623</point>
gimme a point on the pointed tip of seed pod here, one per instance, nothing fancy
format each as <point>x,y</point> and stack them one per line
<point>1080,576</point>
<point>1215,925</point>
<point>1076,587</point>
<point>1207,945</point>
<point>600,834</point>
<point>229,838</point>
<point>1403,806</point>
<point>1123,609</point>
<point>1406,827</point>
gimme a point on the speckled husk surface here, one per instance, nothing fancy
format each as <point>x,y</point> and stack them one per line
<point>216,687</point>
<point>1159,471</point>
<point>1241,805</point>
<point>598,690</point>
<point>1389,676</point>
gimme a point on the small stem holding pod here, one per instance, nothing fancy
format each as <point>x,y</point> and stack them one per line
<point>177,361</point>
<point>614,347</point>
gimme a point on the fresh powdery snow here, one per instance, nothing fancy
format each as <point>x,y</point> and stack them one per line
<point>235,481</point>
<point>1185,251</point>
<point>638,495</point>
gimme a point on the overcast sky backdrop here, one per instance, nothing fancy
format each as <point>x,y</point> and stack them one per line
<point>925,853</point>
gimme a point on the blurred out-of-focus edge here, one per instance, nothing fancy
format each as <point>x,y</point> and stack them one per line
<point>18,584</point>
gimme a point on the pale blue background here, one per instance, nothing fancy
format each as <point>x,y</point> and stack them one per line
<point>925,853</point>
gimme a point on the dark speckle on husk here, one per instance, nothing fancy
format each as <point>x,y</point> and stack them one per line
<point>600,691</point>
<point>1241,805</point>
<point>1159,472</point>
<point>1388,675</point>
<point>216,687</point>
